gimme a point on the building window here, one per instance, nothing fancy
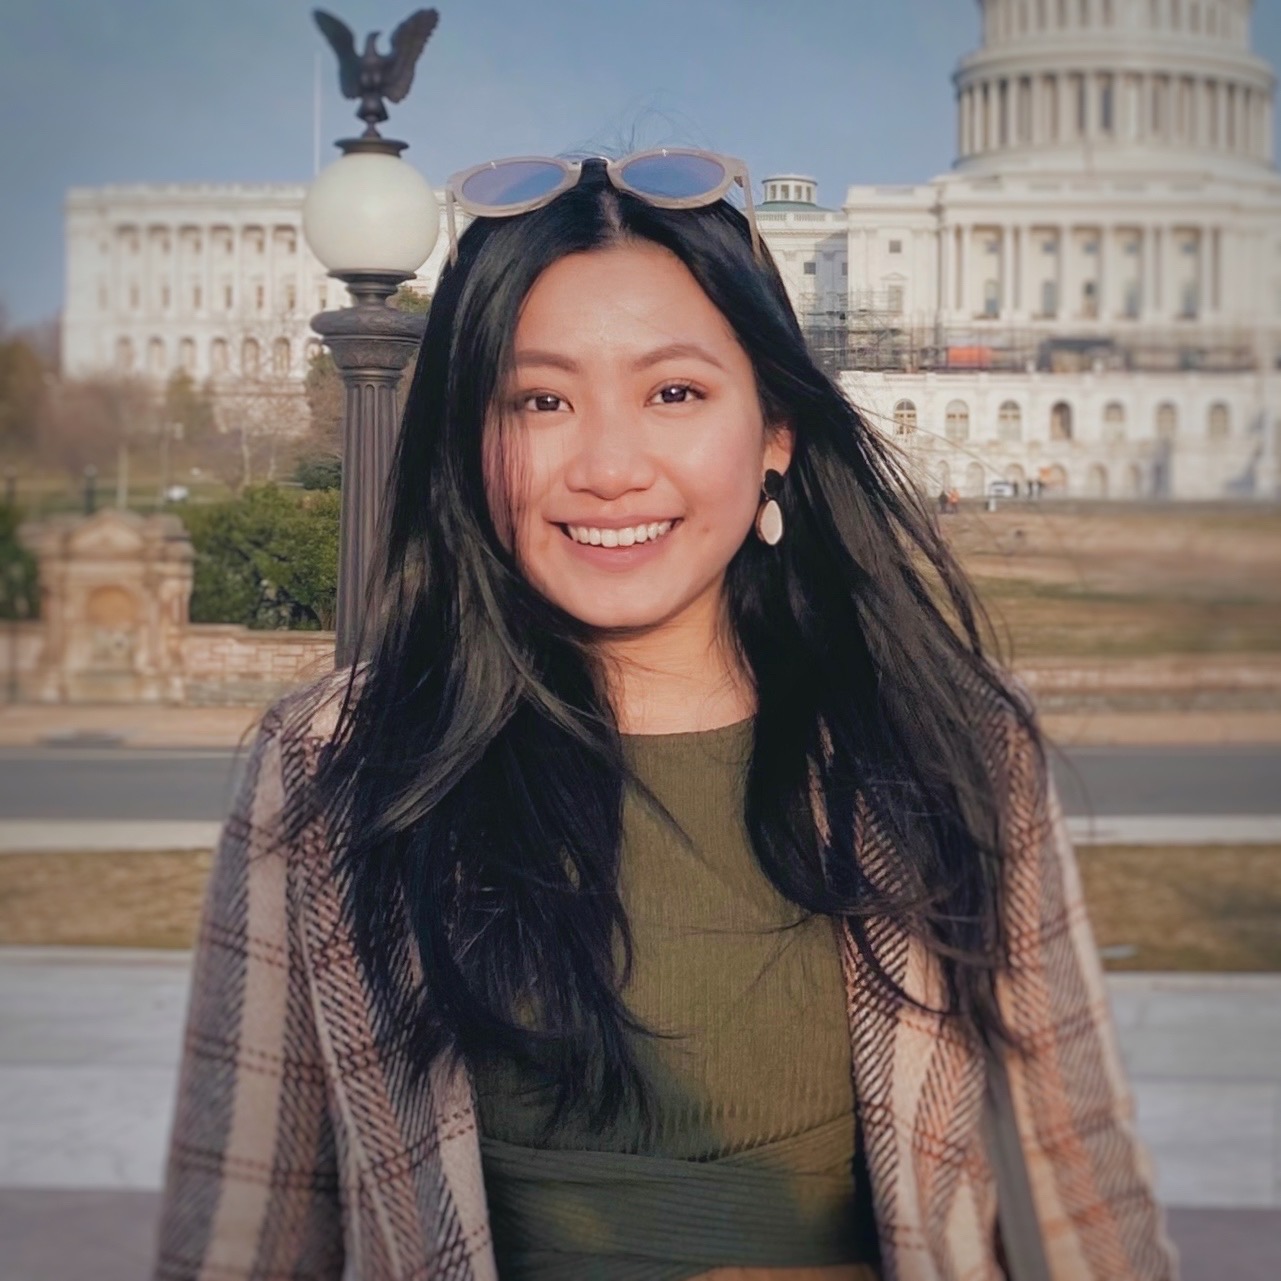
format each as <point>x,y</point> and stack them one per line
<point>124,355</point>
<point>810,269</point>
<point>1167,421</point>
<point>845,269</point>
<point>1090,300</point>
<point>134,297</point>
<point>218,356</point>
<point>894,300</point>
<point>1219,421</point>
<point>1010,422</point>
<point>260,297</point>
<point>1061,421</point>
<point>228,296</point>
<point>165,298</point>
<point>904,418</point>
<point>1114,422</point>
<point>787,191</point>
<point>280,357</point>
<point>187,355</point>
<point>991,299</point>
<point>250,357</point>
<point>156,356</point>
<point>291,297</point>
<point>1189,301</point>
<point>197,297</point>
<point>1049,299</point>
<point>896,246</point>
<point>957,421</point>
<point>1133,299</point>
<point>104,298</point>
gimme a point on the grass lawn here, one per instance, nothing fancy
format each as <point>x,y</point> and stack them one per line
<point>1212,908</point>
<point>1111,582</point>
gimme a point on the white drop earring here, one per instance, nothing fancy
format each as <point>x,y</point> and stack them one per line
<point>769,516</point>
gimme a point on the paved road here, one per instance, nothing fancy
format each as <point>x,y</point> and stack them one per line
<point>119,784</point>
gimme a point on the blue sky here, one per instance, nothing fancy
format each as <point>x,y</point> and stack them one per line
<point>93,92</point>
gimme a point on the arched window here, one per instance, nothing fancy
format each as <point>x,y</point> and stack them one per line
<point>1010,422</point>
<point>156,356</point>
<point>1114,422</point>
<point>1219,421</point>
<point>250,357</point>
<point>124,355</point>
<point>1096,481</point>
<point>1061,421</point>
<point>957,421</point>
<point>943,475</point>
<point>1167,421</point>
<point>974,480</point>
<point>187,355</point>
<point>280,357</point>
<point>218,356</point>
<point>1054,478</point>
<point>904,418</point>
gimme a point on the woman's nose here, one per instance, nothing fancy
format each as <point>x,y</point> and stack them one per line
<point>609,457</point>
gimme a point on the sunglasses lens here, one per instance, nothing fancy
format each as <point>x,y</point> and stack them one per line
<point>674,177</point>
<point>512,182</point>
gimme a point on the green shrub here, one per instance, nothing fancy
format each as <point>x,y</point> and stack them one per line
<point>319,471</point>
<point>19,593</point>
<point>268,559</point>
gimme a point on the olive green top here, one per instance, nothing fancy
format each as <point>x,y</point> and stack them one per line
<point>748,1157</point>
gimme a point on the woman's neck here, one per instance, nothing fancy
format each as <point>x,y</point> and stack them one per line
<point>678,679</point>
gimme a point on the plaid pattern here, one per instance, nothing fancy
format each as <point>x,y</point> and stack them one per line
<point>300,1151</point>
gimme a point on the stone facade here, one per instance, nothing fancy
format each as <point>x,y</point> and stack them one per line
<point>115,591</point>
<point>114,595</point>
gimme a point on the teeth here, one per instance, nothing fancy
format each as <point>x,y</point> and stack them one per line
<point>594,537</point>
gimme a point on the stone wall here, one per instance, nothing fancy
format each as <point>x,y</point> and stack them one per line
<point>233,666</point>
<point>222,665</point>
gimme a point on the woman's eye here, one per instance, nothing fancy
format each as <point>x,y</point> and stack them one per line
<point>542,402</point>
<point>677,394</point>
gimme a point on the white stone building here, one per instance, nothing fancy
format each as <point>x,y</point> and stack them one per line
<point>1090,297</point>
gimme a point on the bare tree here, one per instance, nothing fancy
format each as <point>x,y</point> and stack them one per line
<point>90,421</point>
<point>259,405</point>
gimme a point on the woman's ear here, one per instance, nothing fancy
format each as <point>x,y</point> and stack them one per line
<point>780,442</point>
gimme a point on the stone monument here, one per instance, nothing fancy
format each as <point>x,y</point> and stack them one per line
<point>115,589</point>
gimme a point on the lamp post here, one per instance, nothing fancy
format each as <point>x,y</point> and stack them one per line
<point>372,221</point>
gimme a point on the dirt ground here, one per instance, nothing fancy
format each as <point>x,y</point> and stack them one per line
<point>1104,581</point>
<point>1212,908</point>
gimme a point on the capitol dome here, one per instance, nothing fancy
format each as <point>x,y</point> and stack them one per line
<point>1116,85</point>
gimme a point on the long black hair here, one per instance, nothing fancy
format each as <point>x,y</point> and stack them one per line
<point>474,784</point>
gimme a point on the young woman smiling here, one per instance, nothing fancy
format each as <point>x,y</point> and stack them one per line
<point>670,887</point>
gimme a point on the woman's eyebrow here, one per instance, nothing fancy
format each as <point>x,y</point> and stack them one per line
<point>673,350</point>
<point>555,360</point>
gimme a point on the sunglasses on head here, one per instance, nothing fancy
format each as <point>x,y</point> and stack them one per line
<point>666,177</point>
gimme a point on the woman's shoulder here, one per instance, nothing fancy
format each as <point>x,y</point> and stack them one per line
<point>308,716</point>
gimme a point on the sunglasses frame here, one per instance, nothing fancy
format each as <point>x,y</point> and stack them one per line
<point>572,170</point>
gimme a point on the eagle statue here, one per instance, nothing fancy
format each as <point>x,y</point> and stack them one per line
<point>372,76</point>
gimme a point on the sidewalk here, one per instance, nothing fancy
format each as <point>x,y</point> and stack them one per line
<point>36,725</point>
<point>89,1048</point>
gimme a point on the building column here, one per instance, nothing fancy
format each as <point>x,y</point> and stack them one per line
<point>1204,290</point>
<point>1150,265</point>
<point>959,245</point>
<point>944,270</point>
<point>976,119</point>
<point>1067,114</point>
<point>1064,277</point>
<point>1006,294</point>
<point>993,116</point>
<point>1106,278</point>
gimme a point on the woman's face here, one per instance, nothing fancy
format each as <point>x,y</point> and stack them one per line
<point>636,443</point>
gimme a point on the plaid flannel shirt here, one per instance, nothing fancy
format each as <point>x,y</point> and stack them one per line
<point>302,1150</point>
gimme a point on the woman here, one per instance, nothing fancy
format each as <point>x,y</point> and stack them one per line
<point>661,896</point>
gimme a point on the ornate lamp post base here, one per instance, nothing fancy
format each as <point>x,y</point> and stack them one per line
<point>371,344</point>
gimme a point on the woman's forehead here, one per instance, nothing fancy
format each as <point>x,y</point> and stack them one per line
<point>629,300</point>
